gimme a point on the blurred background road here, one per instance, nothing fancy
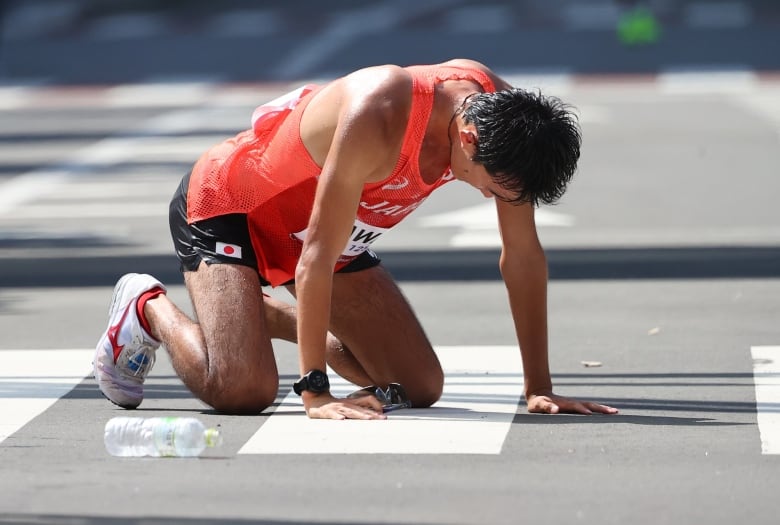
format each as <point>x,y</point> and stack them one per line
<point>664,262</point>
<point>110,41</point>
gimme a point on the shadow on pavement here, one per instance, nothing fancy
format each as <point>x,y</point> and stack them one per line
<point>636,405</point>
<point>726,262</point>
<point>632,419</point>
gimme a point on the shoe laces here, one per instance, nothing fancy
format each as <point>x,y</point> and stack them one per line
<point>141,361</point>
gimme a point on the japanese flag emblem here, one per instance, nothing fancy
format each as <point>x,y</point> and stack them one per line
<point>231,250</point>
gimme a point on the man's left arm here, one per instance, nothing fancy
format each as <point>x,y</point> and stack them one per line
<point>524,270</point>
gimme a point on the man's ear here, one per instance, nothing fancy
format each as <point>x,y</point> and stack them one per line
<point>468,140</point>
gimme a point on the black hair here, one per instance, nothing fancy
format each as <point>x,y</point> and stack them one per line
<point>528,143</point>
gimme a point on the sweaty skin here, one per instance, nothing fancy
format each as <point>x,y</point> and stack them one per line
<point>354,129</point>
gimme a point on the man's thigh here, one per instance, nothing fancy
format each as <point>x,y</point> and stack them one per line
<point>371,316</point>
<point>228,303</point>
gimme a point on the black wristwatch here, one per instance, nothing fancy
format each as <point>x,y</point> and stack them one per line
<point>315,381</point>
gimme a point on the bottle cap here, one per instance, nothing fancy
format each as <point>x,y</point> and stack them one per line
<point>213,437</point>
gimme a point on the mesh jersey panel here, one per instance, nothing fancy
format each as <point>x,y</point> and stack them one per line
<point>226,178</point>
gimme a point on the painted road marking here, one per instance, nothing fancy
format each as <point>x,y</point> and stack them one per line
<point>766,375</point>
<point>483,386</point>
<point>112,150</point>
<point>558,83</point>
<point>701,82</point>
<point>764,104</point>
<point>479,224</point>
<point>33,380</point>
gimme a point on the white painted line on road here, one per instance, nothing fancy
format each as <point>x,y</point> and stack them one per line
<point>91,211</point>
<point>482,389</point>
<point>12,97</point>
<point>483,216</point>
<point>113,150</point>
<point>140,189</point>
<point>164,94</point>
<point>738,80</point>
<point>557,83</point>
<point>594,114</point>
<point>765,104</point>
<point>476,238</point>
<point>480,216</point>
<point>29,186</point>
<point>545,217</point>
<point>479,224</point>
<point>766,375</point>
<point>33,380</point>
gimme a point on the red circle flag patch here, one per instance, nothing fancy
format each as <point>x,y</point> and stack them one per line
<point>231,250</point>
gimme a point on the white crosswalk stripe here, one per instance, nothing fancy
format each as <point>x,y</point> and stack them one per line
<point>766,375</point>
<point>475,413</point>
<point>478,225</point>
<point>84,184</point>
<point>473,417</point>
<point>33,380</point>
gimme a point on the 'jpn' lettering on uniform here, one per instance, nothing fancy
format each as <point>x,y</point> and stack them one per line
<point>385,208</point>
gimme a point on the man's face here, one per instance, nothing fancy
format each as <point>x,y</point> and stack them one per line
<point>477,176</point>
<point>474,173</point>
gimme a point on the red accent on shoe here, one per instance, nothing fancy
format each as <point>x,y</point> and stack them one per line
<point>139,306</point>
<point>113,333</point>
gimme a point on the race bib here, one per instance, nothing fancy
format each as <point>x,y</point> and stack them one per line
<point>362,237</point>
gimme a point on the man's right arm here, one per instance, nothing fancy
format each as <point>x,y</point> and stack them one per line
<point>358,153</point>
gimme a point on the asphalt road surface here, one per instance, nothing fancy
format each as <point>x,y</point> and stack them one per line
<point>664,260</point>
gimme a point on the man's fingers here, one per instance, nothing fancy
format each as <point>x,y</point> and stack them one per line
<point>344,411</point>
<point>368,401</point>
<point>602,409</point>
<point>582,409</point>
<point>325,413</point>
<point>544,405</point>
<point>557,404</point>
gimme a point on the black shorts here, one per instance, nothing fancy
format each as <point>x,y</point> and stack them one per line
<point>225,239</point>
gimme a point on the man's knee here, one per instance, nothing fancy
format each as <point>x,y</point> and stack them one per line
<point>251,398</point>
<point>428,392</point>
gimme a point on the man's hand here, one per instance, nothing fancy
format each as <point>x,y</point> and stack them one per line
<point>325,406</point>
<point>554,404</point>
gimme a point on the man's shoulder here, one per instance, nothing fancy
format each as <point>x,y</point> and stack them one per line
<point>384,91</point>
<point>467,63</point>
<point>380,80</point>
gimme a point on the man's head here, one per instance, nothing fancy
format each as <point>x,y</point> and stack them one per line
<point>527,142</point>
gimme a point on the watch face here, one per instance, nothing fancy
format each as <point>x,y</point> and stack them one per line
<point>318,381</point>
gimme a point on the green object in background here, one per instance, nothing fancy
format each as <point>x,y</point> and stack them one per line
<point>638,26</point>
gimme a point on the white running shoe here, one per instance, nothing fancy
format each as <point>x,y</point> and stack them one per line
<point>126,352</point>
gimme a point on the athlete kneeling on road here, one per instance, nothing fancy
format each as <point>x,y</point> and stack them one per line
<point>298,200</point>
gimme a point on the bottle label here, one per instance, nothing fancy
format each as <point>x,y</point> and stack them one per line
<point>165,436</point>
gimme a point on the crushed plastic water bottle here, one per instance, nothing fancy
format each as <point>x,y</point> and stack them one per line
<point>159,437</point>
